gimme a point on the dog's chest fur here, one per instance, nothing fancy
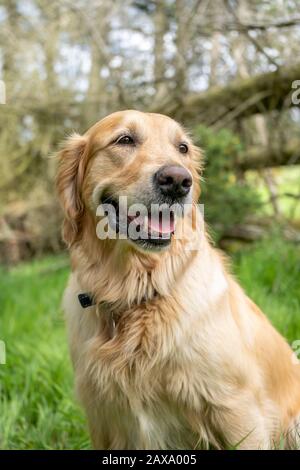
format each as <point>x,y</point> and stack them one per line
<point>145,392</point>
<point>151,379</point>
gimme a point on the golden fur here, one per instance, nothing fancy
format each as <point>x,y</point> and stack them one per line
<point>193,362</point>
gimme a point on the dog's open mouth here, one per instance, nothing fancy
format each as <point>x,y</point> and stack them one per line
<point>150,228</point>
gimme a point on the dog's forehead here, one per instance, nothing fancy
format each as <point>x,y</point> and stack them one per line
<point>136,121</point>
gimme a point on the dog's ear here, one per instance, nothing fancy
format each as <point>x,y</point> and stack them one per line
<point>71,168</point>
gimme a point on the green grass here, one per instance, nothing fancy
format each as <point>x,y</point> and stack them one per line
<point>270,274</point>
<point>37,404</point>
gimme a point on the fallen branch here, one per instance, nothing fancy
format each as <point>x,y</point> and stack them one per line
<point>255,232</point>
<point>272,91</point>
<point>256,158</point>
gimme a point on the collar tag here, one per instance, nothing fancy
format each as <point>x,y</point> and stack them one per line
<point>86,300</point>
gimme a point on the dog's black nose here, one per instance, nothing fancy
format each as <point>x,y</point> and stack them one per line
<point>174,181</point>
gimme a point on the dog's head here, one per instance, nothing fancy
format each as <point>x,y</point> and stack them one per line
<point>144,161</point>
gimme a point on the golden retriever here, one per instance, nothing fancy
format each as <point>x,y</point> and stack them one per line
<point>170,353</point>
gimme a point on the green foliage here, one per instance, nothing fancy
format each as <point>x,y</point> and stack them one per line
<point>228,198</point>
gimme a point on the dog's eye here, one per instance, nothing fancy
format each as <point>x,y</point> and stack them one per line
<point>183,148</point>
<point>125,140</point>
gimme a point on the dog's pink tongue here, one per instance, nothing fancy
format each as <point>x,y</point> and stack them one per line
<point>164,225</point>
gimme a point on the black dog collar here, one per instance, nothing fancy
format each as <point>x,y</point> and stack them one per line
<point>87,300</point>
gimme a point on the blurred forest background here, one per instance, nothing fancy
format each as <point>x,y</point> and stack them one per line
<point>226,69</point>
<point>229,70</point>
